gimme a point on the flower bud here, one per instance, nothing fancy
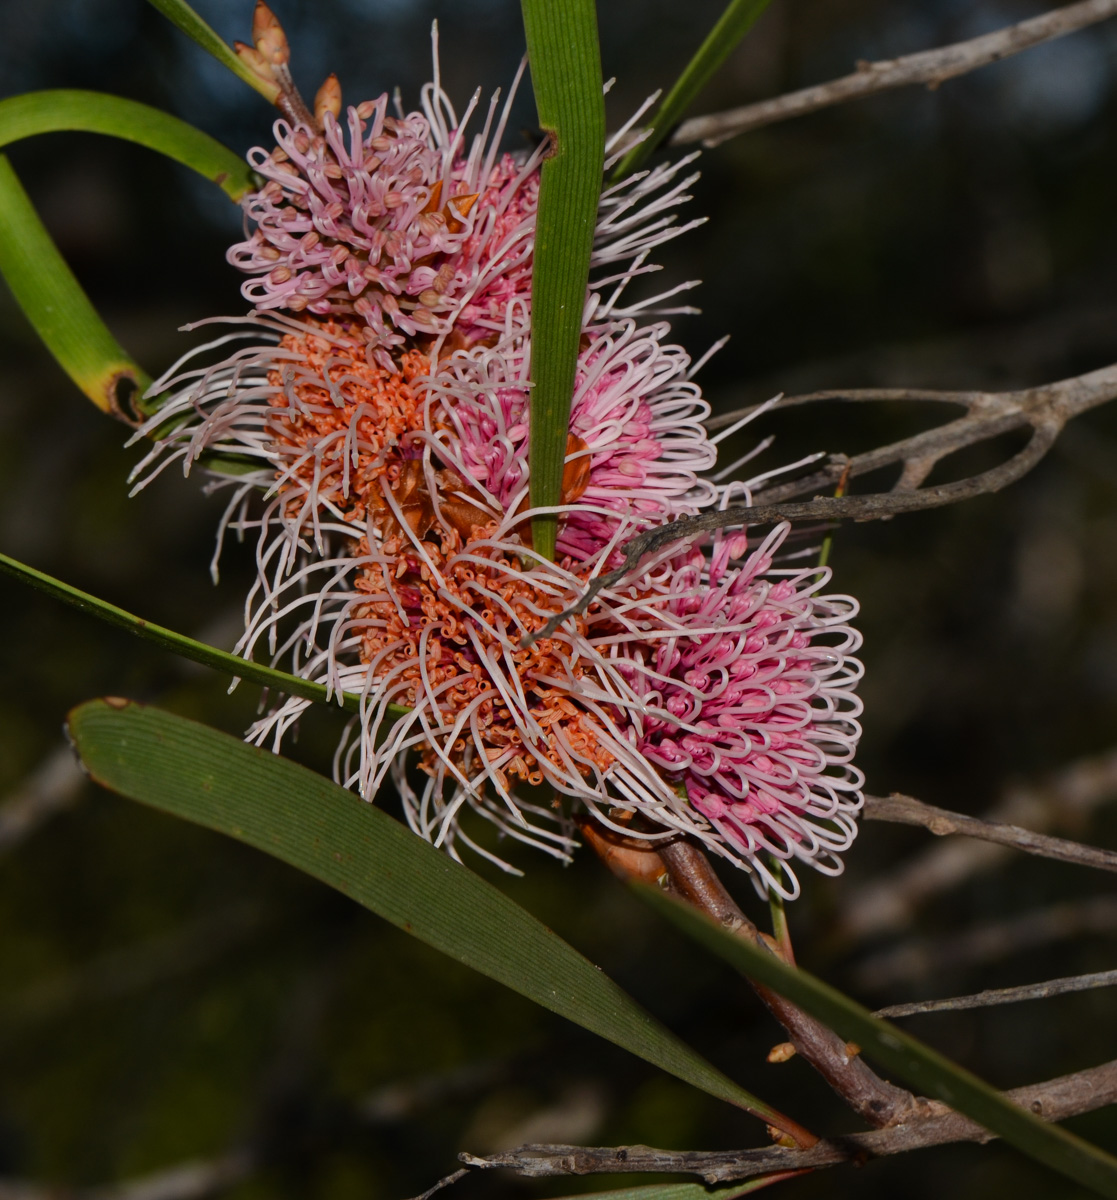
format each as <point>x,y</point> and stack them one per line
<point>328,100</point>
<point>268,36</point>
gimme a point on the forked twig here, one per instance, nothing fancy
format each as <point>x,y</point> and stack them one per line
<point>1055,1100</point>
<point>1044,409</point>
<point>876,1100</point>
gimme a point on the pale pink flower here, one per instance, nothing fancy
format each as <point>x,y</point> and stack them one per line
<point>746,681</point>
<point>379,404</point>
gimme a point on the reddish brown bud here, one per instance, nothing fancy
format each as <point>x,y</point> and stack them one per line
<point>328,100</point>
<point>259,67</point>
<point>268,36</point>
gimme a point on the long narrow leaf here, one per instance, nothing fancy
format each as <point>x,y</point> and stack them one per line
<point>915,1063</point>
<point>303,819</point>
<point>43,285</point>
<point>179,643</point>
<point>95,112</point>
<point>566,75</point>
<point>733,24</point>
<point>182,15</point>
<point>53,301</point>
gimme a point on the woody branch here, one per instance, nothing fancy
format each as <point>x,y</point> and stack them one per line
<point>929,67</point>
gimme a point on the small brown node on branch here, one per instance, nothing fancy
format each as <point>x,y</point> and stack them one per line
<point>781,1053</point>
<point>782,1139</point>
<point>852,1049</point>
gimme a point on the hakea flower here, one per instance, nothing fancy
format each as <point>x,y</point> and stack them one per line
<point>378,400</point>
<point>708,699</point>
<point>746,679</point>
<point>393,226</point>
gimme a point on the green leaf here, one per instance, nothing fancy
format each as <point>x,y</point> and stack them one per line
<point>916,1064</point>
<point>566,75</point>
<point>53,301</point>
<point>179,643</point>
<point>41,282</point>
<point>303,819</point>
<point>95,112</point>
<point>732,26</point>
<point>182,15</point>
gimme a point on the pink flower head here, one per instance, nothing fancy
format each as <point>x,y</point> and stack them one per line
<point>746,679</point>
<point>376,419</point>
<point>392,223</point>
<point>637,446</point>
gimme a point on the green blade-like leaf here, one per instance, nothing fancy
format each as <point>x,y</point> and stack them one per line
<point>916,1064</point>
<point>179,643</point>
<point>733,24</point>
<point>41,282</point>
<point>53,301</point>
<point>303,819</point>
<point>566,75</point>
<point>182,15</point>
<point>95,112</point>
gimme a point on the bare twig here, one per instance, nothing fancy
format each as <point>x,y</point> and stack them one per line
<point>453,1177</point>
<point>906,810</point>
<point>930,67</point>
<point>1055,1100</point>
<point>1064,800</point>
<point>925,958</point>
<point>877,1101</point>
<point>989,415</point>
<point>52,787</point>
<point>185,1181</point>
<point>1044,409</point>
<point>1011,995</point>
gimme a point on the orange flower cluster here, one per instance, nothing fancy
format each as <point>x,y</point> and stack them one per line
<point>448,630</point>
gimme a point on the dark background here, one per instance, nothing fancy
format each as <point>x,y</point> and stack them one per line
<point>166,995</point>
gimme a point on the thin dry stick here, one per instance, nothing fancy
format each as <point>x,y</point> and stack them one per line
<point>52,787</point>
<point>930,67</point>
<point>453,1177</point>
<point>874,1099</point>
<point>1055,1100</point>
<point>906,810</point>
<point>185,1181</point>
<point>1044,409</point>
<point>1010,995</point>
<point>1066,799</point>
<point>917,959</point>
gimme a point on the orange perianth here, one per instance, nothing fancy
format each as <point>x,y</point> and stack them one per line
<point>328,100</point>
<point>394,641</point>
<point>463,205</point>
<point>576,472</point>
<point>308,415</point>
<point>436,194</point>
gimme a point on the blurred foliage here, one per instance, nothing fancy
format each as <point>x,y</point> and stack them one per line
<point>165,994</point>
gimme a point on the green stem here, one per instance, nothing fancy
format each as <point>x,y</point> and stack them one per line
<point>186,19</point>
<point>180,644</point>
<point>566,75</point>
<point>732,26</point>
